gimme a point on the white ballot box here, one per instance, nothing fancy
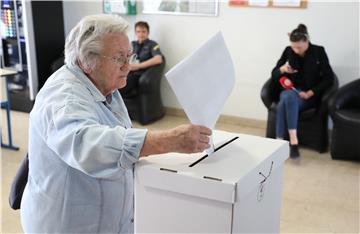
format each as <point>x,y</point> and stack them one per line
<point>236,189</point>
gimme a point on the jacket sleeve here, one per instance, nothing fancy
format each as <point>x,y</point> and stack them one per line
<point>275,74</point>
<point>155,49</point>
<point>326,73</point>
<point>99,150</point>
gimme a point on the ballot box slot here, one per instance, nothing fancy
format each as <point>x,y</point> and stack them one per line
<point>169,170</point>
<point>216,149</point>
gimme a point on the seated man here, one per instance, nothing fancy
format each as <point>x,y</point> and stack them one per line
<point>148,54</point>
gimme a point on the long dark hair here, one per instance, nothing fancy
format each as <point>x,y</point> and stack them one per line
<point>299,34</point>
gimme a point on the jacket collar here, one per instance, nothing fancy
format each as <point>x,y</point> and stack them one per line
<point>309,50</point>
<point>95,92</point>
<point>144,42</point>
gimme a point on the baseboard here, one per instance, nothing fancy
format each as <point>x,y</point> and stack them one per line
<point>224,119</point>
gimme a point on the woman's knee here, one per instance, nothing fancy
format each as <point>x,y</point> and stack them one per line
<point>289,96</point>
<point>285,94</point>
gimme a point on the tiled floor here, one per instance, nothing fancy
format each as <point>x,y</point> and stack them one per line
<point>320,195</point>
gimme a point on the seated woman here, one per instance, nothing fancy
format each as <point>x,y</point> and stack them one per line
<point>307,66</point>
<point>147,53</point>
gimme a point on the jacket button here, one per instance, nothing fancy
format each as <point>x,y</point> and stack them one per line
<point>132,220</point>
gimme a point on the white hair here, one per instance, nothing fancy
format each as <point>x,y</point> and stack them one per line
<point>83,43</point>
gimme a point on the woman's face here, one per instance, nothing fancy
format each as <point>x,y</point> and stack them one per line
<point>112,66</point>
<point>141,34</point>
<point>299,47</point>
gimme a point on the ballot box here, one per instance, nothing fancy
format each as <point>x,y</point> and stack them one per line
<point>235,189</point>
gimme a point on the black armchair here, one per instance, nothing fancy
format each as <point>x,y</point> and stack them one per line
<point>344,109</point>
<point>144,104</point>
<point>313,123</point>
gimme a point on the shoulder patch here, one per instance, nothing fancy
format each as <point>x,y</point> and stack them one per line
<point>156,47</point>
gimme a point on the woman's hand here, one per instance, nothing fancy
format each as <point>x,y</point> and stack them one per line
<point>187,138</point>
<point>190,138</point>
<point>286,68</point>
<point>306,95</point>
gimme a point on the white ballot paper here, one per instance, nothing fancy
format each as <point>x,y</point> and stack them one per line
<point>203,81</point>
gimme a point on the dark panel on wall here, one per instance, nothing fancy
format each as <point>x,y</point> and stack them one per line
<point>48,23</point>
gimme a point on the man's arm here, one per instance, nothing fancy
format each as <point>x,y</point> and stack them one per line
<point>157,59</point>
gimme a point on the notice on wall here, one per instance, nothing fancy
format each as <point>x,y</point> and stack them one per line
<point>286,3</point>
<point>114,6</point>
<point>261,3</point>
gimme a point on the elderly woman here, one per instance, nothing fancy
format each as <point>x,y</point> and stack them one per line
<point>82,147</point>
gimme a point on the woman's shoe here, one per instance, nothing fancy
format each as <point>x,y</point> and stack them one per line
<point>294,151</point>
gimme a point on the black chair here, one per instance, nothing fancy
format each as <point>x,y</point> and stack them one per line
<point>313,123</point>
<point>344,109</point>
<point>144,104</point>
<point>18,184</point>
<point>59,62</point>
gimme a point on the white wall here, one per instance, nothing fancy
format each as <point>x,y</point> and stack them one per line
<point>255,37</point>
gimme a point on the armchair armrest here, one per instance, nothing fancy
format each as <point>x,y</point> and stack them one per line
<point>150,79</point>
<point>348,96</point>
<point>267,93</point>
<point>329,92</point>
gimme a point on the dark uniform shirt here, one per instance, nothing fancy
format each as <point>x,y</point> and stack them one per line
<point>146,50</point>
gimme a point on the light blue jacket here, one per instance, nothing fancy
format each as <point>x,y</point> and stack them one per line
<point>82,151</point>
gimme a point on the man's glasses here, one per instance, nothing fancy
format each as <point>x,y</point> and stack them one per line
<point>121,60</point>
